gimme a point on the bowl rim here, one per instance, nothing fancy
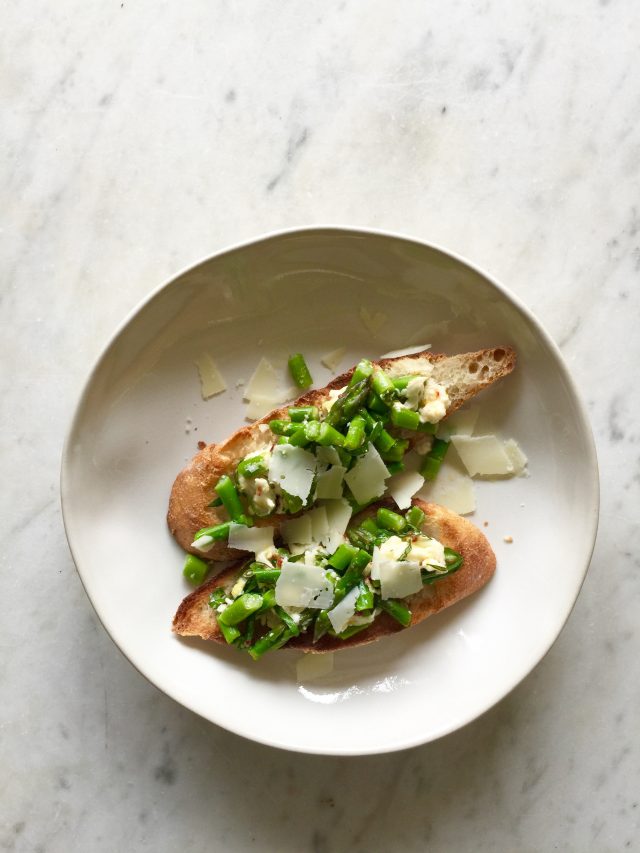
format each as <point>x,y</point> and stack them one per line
<point>593,497</point>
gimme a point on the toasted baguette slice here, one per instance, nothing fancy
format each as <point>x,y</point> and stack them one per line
<point>196,618</point>
<point>463,375</point>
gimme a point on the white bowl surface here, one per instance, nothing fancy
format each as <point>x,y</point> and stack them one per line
<point>303,291</point>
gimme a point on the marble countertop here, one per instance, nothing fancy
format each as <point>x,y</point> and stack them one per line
<point>139,137</point>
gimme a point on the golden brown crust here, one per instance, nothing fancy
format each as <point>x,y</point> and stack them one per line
<point>466,375</point>
<point>195,618</point>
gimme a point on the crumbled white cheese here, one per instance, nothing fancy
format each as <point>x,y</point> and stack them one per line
<point>292,469</point>
<point>414,392</point>
<point>427,552</point>
<point>238,587</point>
<point>434,403</point>
<point>403,486</point>
<point>340,615</point>
<point>254,539</point>
<point>211,382</point>
<point>302,585</point>
<point>367,477</point>
<point>332,359</point>
<point>259,492</point>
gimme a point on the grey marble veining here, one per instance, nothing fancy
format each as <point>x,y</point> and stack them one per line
<point>140,137</point>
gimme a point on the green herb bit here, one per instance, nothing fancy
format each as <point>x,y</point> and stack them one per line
<point>303,413</point>
<point>342,556</point>
<point>226,491</point>
<point>253,466</point>
<point>217,597</point>
<point>299,371</point>
<point>399,612</point>
<point>362,370</point>
<point>415,517</point>
<point>404,418</point>
<point>355,434</point>
<point>433,460</point>
<point>390,520</point>
<point>195,569</point>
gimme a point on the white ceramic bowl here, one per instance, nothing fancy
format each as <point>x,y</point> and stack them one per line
<point>302,291</point>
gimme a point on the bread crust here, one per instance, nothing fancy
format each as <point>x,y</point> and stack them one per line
<point>195,618</point>
<point>465,374</point>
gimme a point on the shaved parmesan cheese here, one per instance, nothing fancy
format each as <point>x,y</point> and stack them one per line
<point>330,482</point>
<point>301,585</point>
<point>338,518</point>
<point>260,406</point>
<point>211,382</point>
<point>392,549</point>
<point>293,469</point>
<point>312,666</point>
<point>403,486</point>
<point>399,578</point>
<point>460,423</point>
<point>264,381</point>
<point>482,455</point>
<point>203,543</point>
<point>372,322</point>
<point>327,455</point>
<point>254,539</point>
<point>452,488</point>
<point>367,477</point>
<point>319,525</point>
<point>516,456</point>
<point>332,359</point>
<point>297,531</point>
<point>341,613</point>
<point>397,353</point>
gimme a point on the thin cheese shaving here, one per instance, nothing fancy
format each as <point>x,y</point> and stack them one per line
<point>397,353</point>
<point>372,322</point>
<point>342,612</point>
<point>312,666</point>
<point>254,539</point>
<point>330,482</point>
<point>483,455</point>
<point>367,477</point>
<point>211,382</point>
<point>293,469</point>
<point>332,359</point>
<point>403,486</point>
<point>399,578</point>
<point>302,585</point>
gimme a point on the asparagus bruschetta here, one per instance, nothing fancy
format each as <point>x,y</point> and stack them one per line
<point>339,442</point>
<point>389,572</point>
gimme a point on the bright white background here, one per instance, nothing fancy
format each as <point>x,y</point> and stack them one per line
<point>138,138</point>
